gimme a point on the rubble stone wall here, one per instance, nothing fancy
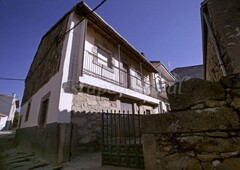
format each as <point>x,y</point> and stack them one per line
<point>202,131</point>
<point>86,121</point>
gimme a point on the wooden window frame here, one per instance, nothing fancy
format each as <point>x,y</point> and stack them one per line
<point>42,116</point>
<point>28,111</point>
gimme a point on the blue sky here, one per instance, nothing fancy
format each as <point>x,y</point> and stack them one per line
<point>165,30</point>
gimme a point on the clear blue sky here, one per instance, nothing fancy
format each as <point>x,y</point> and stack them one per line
<point>165,30</point>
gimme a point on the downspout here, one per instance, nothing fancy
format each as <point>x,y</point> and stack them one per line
<point>214,42</point>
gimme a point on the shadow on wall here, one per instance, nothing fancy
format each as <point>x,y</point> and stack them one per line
<point>60,142</point>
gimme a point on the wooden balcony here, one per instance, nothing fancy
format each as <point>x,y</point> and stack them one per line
<point>119,75</point>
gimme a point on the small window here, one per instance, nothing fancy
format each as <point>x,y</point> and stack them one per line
<point>28,111</point>
<point>104,57</point>
<point>148,112</point>
<point>43,110</point>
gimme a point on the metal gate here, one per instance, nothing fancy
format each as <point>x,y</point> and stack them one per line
<point>121,140</point>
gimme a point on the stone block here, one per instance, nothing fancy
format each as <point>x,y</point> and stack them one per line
<point>198,106</point>
<point>208,157</point>
<point>188,93</point>
<point>177,161</point>
<point>227,81</point>
<point>229,154</point>
<point>190,121</point>
<point>213,103</point>
<point>217,134</point>
<point>232,163</point>
<point>207,144</point>
<point>236,103</point>
<point>235,92</point>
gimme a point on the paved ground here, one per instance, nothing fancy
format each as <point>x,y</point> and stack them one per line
<point>15,157</point>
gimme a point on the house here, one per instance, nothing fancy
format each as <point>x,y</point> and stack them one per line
<point>220,38</point>
<point>195,71</point>
<point>8,107</point>
<point>83,67</point>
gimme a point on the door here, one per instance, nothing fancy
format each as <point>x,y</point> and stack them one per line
<point>125,76</point>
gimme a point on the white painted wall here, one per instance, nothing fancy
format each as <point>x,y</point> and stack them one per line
<point>8,107</point>
<point>3,121</point>
<point>59,85</point>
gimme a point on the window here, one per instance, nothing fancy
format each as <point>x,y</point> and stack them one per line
<point>148,112</point>
<point>28,111</point>
<point>127,107</point>
<point>160,108</point>
<point>138,78</point>
<point>43,110</point>
<point>104,57</point>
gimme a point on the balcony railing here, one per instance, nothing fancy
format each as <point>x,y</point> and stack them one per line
<point>98,67</point>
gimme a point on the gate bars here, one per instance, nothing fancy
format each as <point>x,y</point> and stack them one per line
<point>121,139</point>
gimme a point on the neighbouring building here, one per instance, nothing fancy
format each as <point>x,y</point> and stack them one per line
<point>83,67</point>
<point>221,35</point>
<point>8,107</point>
<point>181,73</point>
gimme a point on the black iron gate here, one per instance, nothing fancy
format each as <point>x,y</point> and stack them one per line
<point>121,140</point>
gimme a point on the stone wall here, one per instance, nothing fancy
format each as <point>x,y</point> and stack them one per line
<point>86,132</point>
<point>202,131</point>
<point>46,62</point>
<point>87,102</point>
<point>86,119</point>
<point>224,19</point>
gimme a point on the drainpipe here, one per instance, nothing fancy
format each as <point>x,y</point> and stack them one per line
<point>214,42</point>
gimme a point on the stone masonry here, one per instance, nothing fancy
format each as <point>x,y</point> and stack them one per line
<point>87,102</point>
<point>201,133</point>
<point>86,121</point>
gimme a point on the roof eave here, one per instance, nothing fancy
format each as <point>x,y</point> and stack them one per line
<point>96,19</point>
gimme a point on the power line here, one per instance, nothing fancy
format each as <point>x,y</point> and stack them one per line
<point>85,17</point>
<point>59,37</point>
<point>11,79</point>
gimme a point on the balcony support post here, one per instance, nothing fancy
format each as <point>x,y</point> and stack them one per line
<point>142,77</point>
<point>119,59</point>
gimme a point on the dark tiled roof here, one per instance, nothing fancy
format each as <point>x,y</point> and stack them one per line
<point>195,71</point>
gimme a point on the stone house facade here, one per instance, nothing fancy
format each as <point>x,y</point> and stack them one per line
<point>221,33</point>
<point>83,67</point>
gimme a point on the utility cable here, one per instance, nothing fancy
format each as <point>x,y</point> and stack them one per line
<point>11,79</point>
<point>58,39</point>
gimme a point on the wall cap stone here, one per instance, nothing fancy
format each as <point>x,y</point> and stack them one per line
<point>211,119</point>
